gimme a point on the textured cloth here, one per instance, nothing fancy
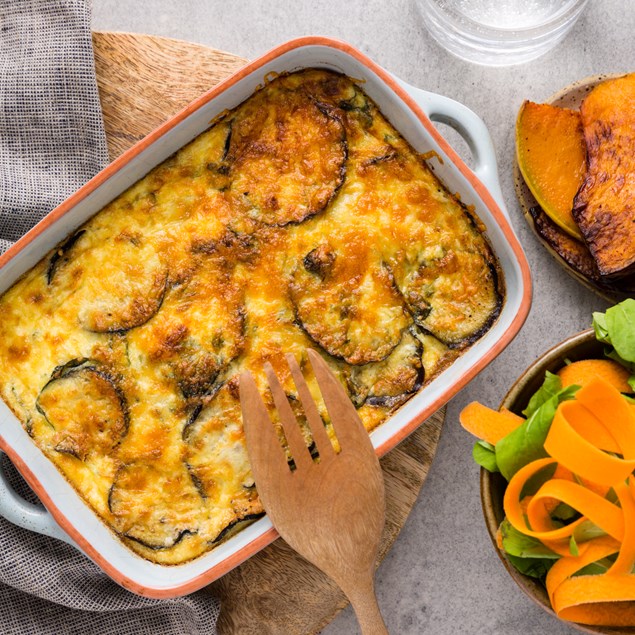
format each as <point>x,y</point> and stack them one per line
<point>51,142</point>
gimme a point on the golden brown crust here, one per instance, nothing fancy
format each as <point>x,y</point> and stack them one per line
<point>286,158</point>
<point>183,281</point>
<point>604,208</point>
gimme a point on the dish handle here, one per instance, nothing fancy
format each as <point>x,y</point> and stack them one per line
<point>27,515</point>
<point>472,128</point>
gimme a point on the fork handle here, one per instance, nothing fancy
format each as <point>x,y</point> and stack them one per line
<point>364,603</point>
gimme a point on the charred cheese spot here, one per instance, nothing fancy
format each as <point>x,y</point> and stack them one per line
<point>287,158</point>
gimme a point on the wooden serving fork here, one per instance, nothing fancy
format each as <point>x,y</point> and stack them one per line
<point>331,512</point>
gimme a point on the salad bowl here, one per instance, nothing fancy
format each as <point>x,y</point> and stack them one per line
<point>581,346</point>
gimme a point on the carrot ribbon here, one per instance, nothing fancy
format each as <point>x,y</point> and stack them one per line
<point>591,442</point>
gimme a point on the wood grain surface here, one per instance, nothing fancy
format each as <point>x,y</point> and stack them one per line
<point>143,80</point>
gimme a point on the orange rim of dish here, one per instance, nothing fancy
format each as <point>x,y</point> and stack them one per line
<point>266,538</point>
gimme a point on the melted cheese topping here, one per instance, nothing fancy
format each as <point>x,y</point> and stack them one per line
<point>300,219</point>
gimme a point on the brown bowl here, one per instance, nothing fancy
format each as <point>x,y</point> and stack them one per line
<point>580,346</point>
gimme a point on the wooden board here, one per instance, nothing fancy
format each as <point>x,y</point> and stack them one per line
<point>142,81</point>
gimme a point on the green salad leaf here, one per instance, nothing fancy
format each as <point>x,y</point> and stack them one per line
<point>551,386</point>
<point>515,543</point>
<point>526,443</point>
<point>616,329</point>
<point>620,322</point>
<point>526,554</point>
<point>484,454</point>
<point>533,567</point>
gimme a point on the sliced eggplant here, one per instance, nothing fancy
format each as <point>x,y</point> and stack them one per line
<point>235,526</point>
<point>198,331</point>
<point>61,255</point>
<point>287,157</point>
<point>215,451</point>
<point>348,304</point>
<point>454,296</point>
<point>392,381</point>
<point>85,406</point>
<point>118,284</point>
<point>154,505</point>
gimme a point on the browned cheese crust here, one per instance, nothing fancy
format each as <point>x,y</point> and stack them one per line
<point>604,208</point>
<point>299,219</point>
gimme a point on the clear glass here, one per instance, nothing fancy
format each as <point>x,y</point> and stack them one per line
<point>499,32</point>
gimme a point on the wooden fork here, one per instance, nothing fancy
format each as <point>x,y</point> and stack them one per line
<point>332,511</point>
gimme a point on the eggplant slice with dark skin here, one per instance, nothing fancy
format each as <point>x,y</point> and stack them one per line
<point>152,506</point>
<point>62,255</point>
<point>392,381</point>
<point>454,297</point>
<point>127,297</point>
<point>214,450</point>
<point>198,331</point>
<point>85,406</point>
<point>346,304</point>
<point>286,158</point>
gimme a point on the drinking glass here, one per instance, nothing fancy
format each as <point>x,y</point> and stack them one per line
<point>500,32</point>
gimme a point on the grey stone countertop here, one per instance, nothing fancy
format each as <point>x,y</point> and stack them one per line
<point>442,575</point>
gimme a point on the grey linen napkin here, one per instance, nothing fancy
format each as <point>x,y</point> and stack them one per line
<point>51,142</point>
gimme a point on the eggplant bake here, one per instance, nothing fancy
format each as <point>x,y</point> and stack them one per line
<point>299,219</point>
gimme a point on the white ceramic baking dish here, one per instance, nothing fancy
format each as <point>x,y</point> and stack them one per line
<point>410,110</point>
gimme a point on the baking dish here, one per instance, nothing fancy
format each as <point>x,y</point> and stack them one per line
<point>405,107</point>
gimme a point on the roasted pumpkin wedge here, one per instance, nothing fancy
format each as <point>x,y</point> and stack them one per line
<point>604,208</point>
<point>86,407</point>
<point>577,255</point>
<point>551,156</point>
<point>286,157</point>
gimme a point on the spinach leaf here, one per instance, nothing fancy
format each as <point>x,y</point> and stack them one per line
<point>587,530</point>
<point>573,547</point>
<point>616,329</point>
<point>600,328</point>
<point>484,454</point>
<point>525,444</point>
<point>620,323</point>
<point>518,544</point>
<point>533,567</point>
<point>595,568</point>
<point>550,387</point>
<point>527,554</point>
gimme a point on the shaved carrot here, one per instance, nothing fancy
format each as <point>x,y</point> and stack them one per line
<point>487,424</point>
<point>590,442</point>
<point>582,372</point>
<point>590,552</point>
<point>579,455</point>
<point>608,405</point>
